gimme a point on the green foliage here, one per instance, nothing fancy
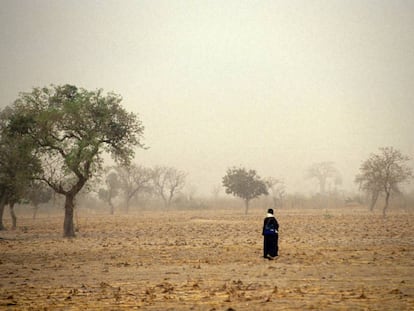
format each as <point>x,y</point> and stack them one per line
<point>244,184</point>
<point>19,164</point>
<point>71,128</point>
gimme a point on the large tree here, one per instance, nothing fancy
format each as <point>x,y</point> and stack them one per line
<point>72,128</point>
<point>322,172</point>
<point>245,184</point>
<point>383,173</point>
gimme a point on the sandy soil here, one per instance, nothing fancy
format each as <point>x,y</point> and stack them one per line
<point>344,259</point>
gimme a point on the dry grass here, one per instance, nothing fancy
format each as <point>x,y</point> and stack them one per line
<point>344,259</point>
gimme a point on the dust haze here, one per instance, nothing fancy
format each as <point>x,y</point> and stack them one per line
<point>273,86</point>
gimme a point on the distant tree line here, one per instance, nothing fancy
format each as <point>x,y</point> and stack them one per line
<point>381,174</point>
<point>53,139</point>
<point>133,181</point>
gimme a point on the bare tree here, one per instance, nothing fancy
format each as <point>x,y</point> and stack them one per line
<point>277,190</point>
<point>167,182</point>
<point>383,173</point>
<point>191,191</point>
<point>322,172</point>
<point>134,179</point>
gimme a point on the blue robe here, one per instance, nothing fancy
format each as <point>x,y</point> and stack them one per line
<point>270,241</point>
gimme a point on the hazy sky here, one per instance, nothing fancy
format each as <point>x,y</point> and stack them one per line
<point>270,85</point>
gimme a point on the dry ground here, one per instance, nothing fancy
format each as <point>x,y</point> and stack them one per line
<point>342,259</point>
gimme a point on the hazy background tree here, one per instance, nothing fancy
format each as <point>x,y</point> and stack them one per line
<point>111,190</point>
<point>38,193</point>
<point>71,129</point>
<point>323,172</point>
<point>134,180</point>
<point>277,190</point>
<point>167,182</point>
<point>369,180</point>
<point>191,192</point>
<point>215,191</point>
<point>383,173</point>
<point>244,184</point>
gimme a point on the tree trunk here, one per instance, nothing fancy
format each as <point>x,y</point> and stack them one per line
<point>35,209</point>
<point>127,205</point>
<point>374,198</point>
<point>2,205</point>
<point>111,207</point>
<point>170,198</point>
<point>128,200</point>
<point>387,198</point>
<point>68,226</point>
<point>13,216</point>
<point>166,202</point>
<point>246,203</point>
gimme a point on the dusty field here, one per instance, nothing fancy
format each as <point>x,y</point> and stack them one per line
<point>346,259</point>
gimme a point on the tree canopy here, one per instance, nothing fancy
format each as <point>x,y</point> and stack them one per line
<point>324,171</point>
<point>134,180</point>
<point>71,128</point>
<point>167,182</point>
<point>245,184</point>
<point>19,164</point>
<point>383,173</point>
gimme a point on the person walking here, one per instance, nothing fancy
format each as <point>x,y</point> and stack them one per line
<point>270,236</point>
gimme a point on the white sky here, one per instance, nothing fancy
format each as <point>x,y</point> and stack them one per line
<point>270,85</point>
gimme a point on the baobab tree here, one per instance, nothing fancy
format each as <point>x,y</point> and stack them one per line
<point>383,173</point>
<point>245,184</point>
<point>322,172</point>
<point>71,128</point>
